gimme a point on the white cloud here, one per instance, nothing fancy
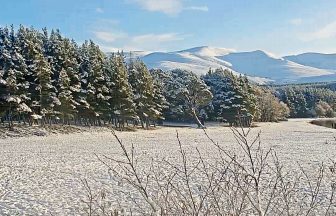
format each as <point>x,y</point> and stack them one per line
<point>325,32</point>
<point>170,7</point>
<point>296,21</point>
<point>107,48</point>
<point>157,38</point>
<point>99,10</point>
<point>198,8</point>
<point>155,42</point>
<point>118,40</point>
<point>109,36</point>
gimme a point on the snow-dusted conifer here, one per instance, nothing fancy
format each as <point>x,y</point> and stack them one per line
<point>71,68</point>
<point>4,91</point>
<point>54,52</point>
<point>66,107</point>
<point>94,91</point>
<point>84,108</point>
<point>121,101</point>
<point>233,95</point>
<point>5,68</point>
<point>19,68</point>
<point>98,92</point>
<point>39,74</point>
<point>147,107</point>
<point>13,70</point>
<point>190,92</point>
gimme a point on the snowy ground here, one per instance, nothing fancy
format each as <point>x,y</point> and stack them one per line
<point>41,175</point>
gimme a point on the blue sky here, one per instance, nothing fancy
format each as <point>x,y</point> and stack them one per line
<point>278,26</point>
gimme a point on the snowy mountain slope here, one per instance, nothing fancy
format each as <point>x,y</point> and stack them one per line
<point>207,51</point>
<point>317,60</point>
<point>259,65</point>
<point>197,60</point>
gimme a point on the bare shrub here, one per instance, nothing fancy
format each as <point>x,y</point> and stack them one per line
<point>251,181</point>
<point>95,203</point>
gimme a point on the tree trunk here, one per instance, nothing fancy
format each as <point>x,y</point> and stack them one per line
<point>198,122</point>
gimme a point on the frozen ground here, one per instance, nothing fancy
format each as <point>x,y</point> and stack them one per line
<point>41,175</point>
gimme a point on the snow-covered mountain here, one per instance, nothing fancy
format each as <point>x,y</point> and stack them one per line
<point>198,59</point>
<point>317,60</point>
<point>259,66</point>
<point>262,64</point>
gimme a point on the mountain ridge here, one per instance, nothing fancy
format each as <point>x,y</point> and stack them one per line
<point>259,65</point>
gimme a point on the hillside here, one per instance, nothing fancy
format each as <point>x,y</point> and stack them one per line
<point>317,60</point>
<point>259,65</point>
<point>198,59</point>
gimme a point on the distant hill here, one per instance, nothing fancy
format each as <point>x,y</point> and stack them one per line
<point>258,65</point>
<point>317,60</point>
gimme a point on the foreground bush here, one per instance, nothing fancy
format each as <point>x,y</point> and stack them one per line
<point>250,181</point>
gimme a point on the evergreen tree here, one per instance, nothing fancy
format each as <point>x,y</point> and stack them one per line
<point>289,99</point>
<point>147,107</point>
<point>301,105</point>
<point>176,108</point>
<point>66,107</point>
<point>70,79</point>
<point>13,69</point>
<point>19,70</point>
<point>234,96</point>
<point>121,101</point>
<point>5,71</point>
<point>45,88</point>
<point>5,56</point>
<point>296,102</point>
<point>248,93</point>
<point>160,80</point>
<point>191,93</point>
<point>160,102</point>
<point>39,75</point>
<point>3,95</point>
<point>94,95</point>
<point>98,90</point>
<point>224,86</point>
<point>84,108</point>
<point>54,51</point>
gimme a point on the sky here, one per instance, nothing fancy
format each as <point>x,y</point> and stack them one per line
<point>281,27</point>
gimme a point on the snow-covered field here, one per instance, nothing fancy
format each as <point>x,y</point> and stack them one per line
<point>42,175</point>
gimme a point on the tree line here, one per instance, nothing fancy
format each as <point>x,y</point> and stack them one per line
<point>46,78</point>
<point>309,100</point>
